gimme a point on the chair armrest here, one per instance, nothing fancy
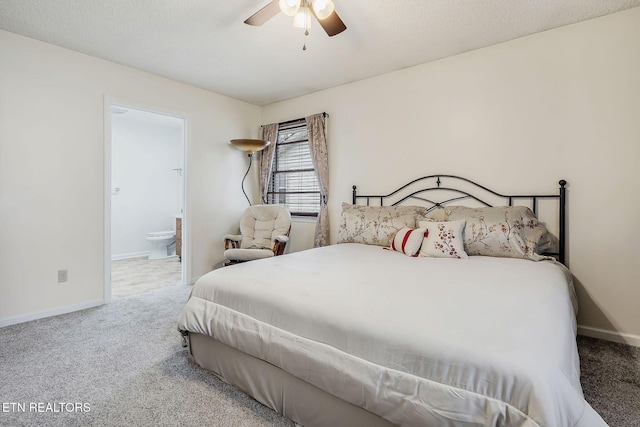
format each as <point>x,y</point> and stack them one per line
<point>281,238</point>
<point>232,241</point>
<point>280,242</point>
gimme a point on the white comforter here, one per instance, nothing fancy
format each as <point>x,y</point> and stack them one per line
<point>418,341</point>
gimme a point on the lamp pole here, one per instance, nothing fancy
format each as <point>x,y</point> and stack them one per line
<point>245,177</point>
<point>249,146</point>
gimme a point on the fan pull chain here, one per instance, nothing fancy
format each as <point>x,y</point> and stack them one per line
<point>306,25</point>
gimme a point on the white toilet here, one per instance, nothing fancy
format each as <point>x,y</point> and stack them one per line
<point>162,244</point>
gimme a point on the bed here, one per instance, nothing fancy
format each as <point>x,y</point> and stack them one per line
<point>360,333</point>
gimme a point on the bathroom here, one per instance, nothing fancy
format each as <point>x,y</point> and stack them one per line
<point>147,199</point>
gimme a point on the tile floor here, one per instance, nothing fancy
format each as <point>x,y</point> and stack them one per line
<point>133,276</point>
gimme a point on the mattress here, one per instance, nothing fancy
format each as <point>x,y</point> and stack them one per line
<point>416,341</point>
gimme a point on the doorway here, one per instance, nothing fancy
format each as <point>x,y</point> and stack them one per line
<point>145,186</point>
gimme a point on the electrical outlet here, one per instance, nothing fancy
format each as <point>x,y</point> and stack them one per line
<point>63,276</point>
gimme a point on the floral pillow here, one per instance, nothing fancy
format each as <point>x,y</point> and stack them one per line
<point>505,231</point>
<point>408,241</point>
<point>548,243</point>
<point>374,225</point>
<point>443,239</point>
<point>434,214</point>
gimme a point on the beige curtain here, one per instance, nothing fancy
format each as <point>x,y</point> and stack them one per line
<point>269,133</point>
<point>316,125</point>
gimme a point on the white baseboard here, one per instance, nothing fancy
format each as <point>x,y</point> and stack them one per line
<point>604,334</point>
<point>129,255</point>
<point>48,313</point>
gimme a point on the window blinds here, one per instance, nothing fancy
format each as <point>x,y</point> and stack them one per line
<point>294,182</point>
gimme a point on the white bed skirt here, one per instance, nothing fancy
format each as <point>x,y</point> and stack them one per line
<point>295,399</point>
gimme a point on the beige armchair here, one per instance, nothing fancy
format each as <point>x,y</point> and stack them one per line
<point>264,233</point>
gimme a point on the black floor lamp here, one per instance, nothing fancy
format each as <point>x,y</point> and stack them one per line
<point>249,146</point>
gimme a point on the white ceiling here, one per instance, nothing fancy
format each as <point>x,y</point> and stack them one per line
<point>205,43</point>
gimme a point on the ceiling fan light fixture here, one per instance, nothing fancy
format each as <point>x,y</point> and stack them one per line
<point>289,7</point>
<point>302,18</point>
<point>323,8</point>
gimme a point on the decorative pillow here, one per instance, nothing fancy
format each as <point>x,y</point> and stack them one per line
<point>503,231</point>
<point>408,240</point>
<point>443,239</point>
<point>435,214</point>
<point>374,225</point>
<point>547,243</point>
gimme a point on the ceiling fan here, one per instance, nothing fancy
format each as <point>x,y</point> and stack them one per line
<point>301,10</point>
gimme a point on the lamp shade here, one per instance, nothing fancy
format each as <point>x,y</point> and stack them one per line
<point>302,18</point>
<point>289,7</point>
<point>323,8</point>
<point>250,145</point>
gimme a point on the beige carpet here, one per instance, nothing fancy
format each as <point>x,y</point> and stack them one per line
<point>134,276</point>
<point>124,364</point>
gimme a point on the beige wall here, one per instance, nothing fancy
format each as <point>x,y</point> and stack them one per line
<point>52,174</point>
<point>518,117</point>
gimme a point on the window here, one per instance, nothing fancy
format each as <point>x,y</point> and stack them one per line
<point>294,182</point>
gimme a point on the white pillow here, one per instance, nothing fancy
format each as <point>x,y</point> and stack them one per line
<point>408,240</point>
<point>443,239</point>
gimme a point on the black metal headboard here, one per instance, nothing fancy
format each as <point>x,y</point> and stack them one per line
<point>458,188</point>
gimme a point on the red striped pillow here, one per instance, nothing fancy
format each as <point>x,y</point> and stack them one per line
<point>408,240</point>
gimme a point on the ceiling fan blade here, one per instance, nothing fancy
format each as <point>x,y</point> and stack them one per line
<point>264,14</point>
<point>332,24</point>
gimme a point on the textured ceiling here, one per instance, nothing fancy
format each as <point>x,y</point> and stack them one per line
<point>205,43</point>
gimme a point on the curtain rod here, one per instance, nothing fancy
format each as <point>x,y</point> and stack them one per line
<point>288,122</point>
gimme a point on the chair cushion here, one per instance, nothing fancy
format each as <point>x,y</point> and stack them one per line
<point>247,254</point>
<point>260,224</point>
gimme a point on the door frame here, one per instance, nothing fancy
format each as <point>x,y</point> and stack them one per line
<point>186,255</point>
